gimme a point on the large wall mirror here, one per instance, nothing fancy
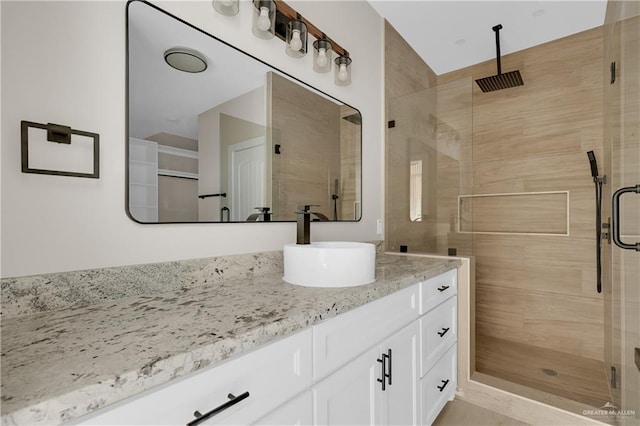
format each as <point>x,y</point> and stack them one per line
<point>215,135</point>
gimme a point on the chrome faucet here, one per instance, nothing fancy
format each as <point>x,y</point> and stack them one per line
<point>304,220</point>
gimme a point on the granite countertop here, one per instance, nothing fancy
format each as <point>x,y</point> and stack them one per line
<point>61,364</point>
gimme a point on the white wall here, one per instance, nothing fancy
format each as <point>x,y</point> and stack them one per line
<point>64,62</point>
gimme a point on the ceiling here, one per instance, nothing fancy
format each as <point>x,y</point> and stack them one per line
<point>449,35</point>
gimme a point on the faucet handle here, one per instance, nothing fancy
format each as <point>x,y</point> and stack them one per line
<point>305,207</point>
<point>263,209</point>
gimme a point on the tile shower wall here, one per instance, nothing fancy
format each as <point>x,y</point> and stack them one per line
<point>531,288</point>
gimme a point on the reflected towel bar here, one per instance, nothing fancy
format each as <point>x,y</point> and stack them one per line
<point>224,194</point>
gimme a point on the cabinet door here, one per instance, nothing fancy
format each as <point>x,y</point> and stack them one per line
<point>336,342</point>
<point>350,396</point>
<point>400,398</point>
<point>297,412</point>
<point>439,386</point>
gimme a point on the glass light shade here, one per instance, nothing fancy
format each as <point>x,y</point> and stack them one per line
<point>296,39</point>
<point>343,71</point>
<point>226,7</point>
<point>264,19</point>
<point>321,56</point>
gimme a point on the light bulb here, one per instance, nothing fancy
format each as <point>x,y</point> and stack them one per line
<point>343,74</point>
<point>226,3</point>
<point>264,23</point>
<point>295,43</point>
<point>322,57</point>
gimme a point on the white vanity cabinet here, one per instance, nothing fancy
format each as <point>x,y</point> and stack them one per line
<point>388,362</point>
<point>350,396</point>
<point>414,355</point>
<point>438,337</point>
<point>297,412</point>
<point>378,387</point>
<point>271,375</point>
<point>400,400</point>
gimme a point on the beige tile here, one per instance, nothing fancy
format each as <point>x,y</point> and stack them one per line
<point>578,378</point>
<point>461,413</point>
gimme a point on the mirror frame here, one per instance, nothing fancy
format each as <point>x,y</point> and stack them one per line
<point>287,75</point>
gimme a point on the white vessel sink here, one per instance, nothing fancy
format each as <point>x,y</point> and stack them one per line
<point>330,264</point>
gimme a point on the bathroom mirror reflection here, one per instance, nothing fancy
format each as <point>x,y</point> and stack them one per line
<point>215,135</point>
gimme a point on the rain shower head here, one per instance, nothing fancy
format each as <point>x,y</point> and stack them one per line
<point>500,81</point>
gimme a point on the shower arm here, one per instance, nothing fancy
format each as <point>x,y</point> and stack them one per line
<point>497,29</point>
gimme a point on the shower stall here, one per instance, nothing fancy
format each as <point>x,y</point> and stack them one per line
<point>504,177</point>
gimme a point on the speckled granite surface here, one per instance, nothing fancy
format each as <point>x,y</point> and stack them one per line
<point>47,292</point>
<point>41,293</point>
<point>61,364</point>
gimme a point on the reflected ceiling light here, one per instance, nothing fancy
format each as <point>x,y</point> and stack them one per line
<point>184,59</point>
<point>322,55</point>
<point>264,19</point>
<point>226,7</point>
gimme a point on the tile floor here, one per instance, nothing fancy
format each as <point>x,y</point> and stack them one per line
<point>461,413</point>
<point>578,379</point>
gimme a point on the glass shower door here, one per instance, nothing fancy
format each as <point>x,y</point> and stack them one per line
<point>622,158</point>
<point>429,159</point>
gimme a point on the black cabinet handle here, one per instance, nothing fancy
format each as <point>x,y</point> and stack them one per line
<point>386,364</point>
<point>444,385</point>
<point>443,332</point>
<point>383,380</point>
<point>443,288</point>
<point>233,400</point>
<point>390,364</point>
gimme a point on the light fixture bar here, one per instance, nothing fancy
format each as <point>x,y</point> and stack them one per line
<point>290,14</point>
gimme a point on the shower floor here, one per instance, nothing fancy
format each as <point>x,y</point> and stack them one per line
<point>577,378</point>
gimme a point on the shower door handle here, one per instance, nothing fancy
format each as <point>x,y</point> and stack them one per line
<point>615,218</point>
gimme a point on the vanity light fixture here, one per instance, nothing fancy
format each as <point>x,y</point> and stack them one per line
<point>322,55</point>
<point>343,71</point>
<point>296,38</point>
<point>264,19</point>
<point>226,7</point>
<point>184,59</point>
<point>276,18</point>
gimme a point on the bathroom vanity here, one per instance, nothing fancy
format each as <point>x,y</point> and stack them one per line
<point>275,353</point>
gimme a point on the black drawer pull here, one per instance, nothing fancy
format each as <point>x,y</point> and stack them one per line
<point>383,380</point>
<point>390,364</point>
<point>233,400</point>
<point>443,332</point>
<point>443,288</point>
<point>444,385</point>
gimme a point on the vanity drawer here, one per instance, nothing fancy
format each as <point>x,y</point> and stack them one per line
<point>339,340</point>
<point>272,375</point>
<point>438,331</point>
<point>438,386</point>
<point>435,290</point>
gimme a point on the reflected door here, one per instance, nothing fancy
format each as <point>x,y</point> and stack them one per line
<point>247,178</point>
